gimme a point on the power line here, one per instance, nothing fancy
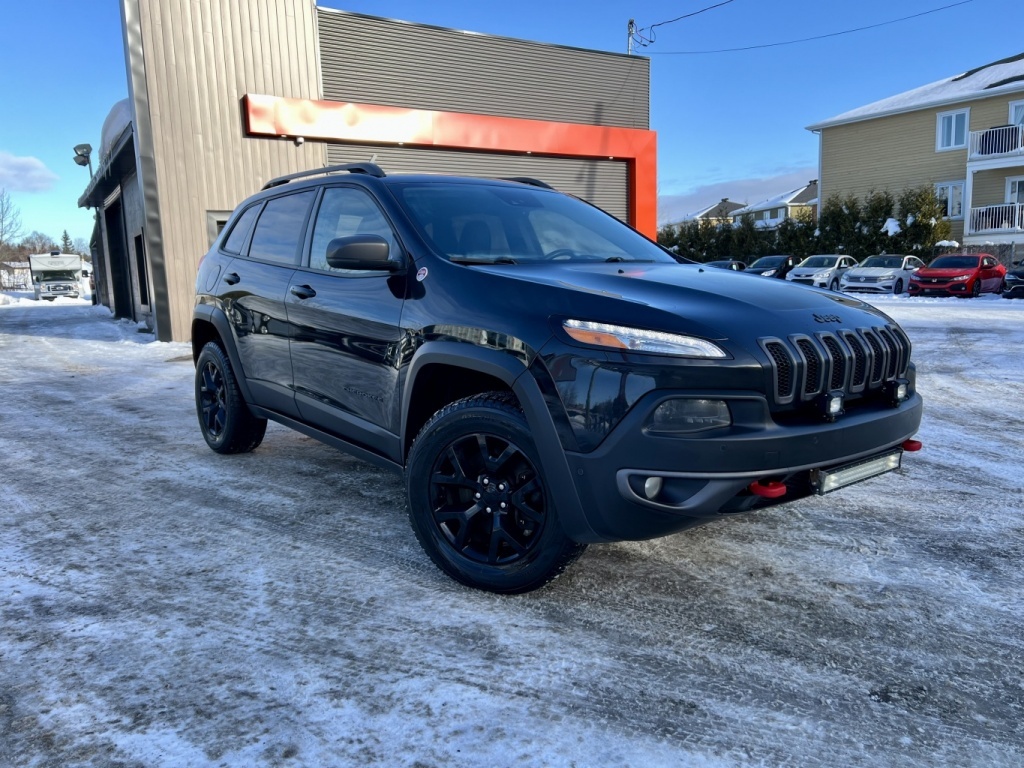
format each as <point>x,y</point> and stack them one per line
<point>816,37</point>
<point>644,40</point>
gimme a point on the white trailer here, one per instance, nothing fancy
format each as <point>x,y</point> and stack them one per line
<point>55,274</point>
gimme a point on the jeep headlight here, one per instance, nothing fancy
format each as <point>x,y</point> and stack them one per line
<point>640,340</point>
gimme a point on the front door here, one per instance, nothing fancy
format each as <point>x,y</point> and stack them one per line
<point>346,342</point>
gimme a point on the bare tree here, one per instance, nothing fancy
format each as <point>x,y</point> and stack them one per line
<point>10,221</point>
<point>81,246</point>
<point>37,242</point>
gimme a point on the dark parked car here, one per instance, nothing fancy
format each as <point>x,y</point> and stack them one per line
<point>772,266</point>
<point>1013,283</point>
<point>544,376</point>
<point>959,274</point>
<point>734,264</point>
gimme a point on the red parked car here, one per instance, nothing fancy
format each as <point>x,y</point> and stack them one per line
<point>959,274</point>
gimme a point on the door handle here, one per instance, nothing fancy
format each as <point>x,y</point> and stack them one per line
<point>302,291</point>
<point>231,278</point>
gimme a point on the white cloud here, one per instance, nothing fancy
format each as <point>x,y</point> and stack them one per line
<point>672,208</point>
<point>24,174</point>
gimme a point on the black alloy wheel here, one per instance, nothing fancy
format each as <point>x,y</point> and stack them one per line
<point>478,500</point>
<point>224,418</point>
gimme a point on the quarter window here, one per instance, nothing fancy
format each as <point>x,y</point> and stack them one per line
<point>951,130</point>
<point>280,228</point>
<point>241,229</point>
<point>951,198</point>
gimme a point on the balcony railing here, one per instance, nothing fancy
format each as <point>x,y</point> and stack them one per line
<point>1004,141</point>
<point>1008,217</point>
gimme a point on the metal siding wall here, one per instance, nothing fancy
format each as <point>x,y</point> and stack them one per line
<point>380,61</point>
<point>601,182</point>
<point>198,59</point>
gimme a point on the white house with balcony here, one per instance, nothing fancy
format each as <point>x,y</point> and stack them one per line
<point>964,135</point>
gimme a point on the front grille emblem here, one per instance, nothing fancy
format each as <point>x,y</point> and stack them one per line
<point>827,318</point>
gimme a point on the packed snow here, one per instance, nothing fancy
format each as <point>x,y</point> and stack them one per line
<point>162,605</point>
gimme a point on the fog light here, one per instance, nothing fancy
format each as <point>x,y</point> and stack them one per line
<point>831,404</point>
<point>897,390</point>
<point>683,415</point>
<point>652,487</point>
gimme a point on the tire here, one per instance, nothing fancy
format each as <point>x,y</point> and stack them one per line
<point>898,288</point>
<point>976,289</point>
<point>834,285</point>
<point>472,458</point>
<point>225,420</point>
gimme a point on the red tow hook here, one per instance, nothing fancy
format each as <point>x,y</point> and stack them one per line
<point>912,445</point>
<point>773,489</point>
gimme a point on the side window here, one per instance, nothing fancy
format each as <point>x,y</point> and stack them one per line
<point>241,229</point>
<point>951,130</point>
<point>346,211</point>
<point>280,228</point>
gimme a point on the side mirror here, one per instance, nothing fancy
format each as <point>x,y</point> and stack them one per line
<point>360,252</point>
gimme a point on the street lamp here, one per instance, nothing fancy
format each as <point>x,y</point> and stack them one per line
<point>82,156</point>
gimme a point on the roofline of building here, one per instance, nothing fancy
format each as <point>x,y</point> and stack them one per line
<point>988,94</point>
<point>320,8</point>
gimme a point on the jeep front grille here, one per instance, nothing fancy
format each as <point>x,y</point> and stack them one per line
<point>853,361</point>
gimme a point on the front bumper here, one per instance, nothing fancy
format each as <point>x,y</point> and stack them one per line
<point>886,286</point>
<point>1014,289</point>
<point>709,474</point>
<point>939,289</point>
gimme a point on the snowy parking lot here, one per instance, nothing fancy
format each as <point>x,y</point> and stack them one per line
<point>162,605</point>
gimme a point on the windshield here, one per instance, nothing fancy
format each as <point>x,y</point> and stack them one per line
<point>817,262</point>
<point>955,262</point>
<point>768,261</point>
<point>499,224</point>
<point>48,276</point>
<point>884,262</point>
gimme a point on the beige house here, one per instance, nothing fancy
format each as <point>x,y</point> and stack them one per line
<point>963,134</point>
<point>770,213</point>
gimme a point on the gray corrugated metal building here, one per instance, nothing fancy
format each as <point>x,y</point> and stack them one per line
<point>191,152</point>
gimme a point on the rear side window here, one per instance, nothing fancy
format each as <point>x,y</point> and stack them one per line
<point>241,229</point>
<point>280,228</point>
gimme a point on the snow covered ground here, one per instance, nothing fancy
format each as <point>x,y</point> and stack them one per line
<point>161,605</point>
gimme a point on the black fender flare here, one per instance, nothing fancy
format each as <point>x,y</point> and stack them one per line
<point>215,316</point>
<point>510,370</point>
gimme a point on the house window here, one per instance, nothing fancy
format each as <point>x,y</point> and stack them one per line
<point>1015,189</point>
<point>951,197</point>
<point>951,130</point>
<point>1017,112</point>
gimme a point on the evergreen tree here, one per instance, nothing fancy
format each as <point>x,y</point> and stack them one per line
<point>66,244</point>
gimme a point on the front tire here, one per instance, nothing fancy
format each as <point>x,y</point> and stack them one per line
<point>227,424</point>
<point>898,288</point>
<point>478,499</point>
<point>834,285</point>
<point>976,289</point>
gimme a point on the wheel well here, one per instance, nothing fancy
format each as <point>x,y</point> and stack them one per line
<point>203,332</point>
<point>436,386</point>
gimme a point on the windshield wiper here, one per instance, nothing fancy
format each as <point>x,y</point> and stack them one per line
<point>631,261</point>
<point>459,259</point>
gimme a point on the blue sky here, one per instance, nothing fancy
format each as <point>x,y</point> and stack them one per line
<point>728,123</point>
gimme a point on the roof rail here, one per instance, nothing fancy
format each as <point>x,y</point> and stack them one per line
<point>528,180</point>
<point>370,169</point>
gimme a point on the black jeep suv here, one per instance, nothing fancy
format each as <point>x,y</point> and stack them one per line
<point>545,376</point>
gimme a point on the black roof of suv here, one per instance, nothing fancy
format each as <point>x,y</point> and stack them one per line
<point>545,376</point>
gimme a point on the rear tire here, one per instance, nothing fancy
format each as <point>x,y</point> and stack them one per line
<point>227,424</point>
<point>478,499</point>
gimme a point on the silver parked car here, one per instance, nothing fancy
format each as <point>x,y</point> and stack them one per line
<point>881,274</point>
<point>822,271</point>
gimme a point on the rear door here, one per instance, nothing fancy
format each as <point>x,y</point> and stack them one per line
<point>347,340</point>
<point>256,284</point>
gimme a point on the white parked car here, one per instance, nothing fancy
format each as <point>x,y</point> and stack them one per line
<point>881,274</point>
<point>823,271</point>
